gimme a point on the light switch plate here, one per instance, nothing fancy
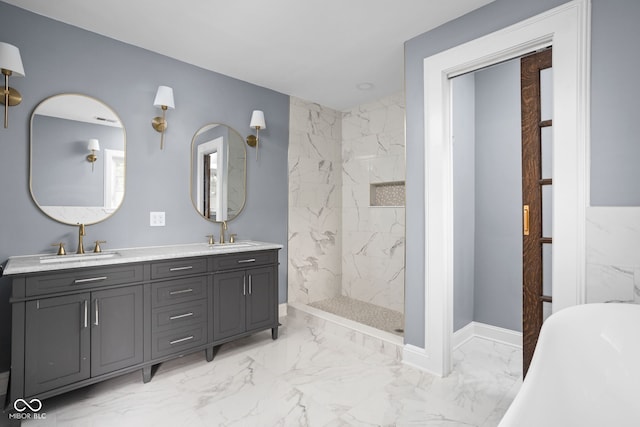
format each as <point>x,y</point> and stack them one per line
<point>156,219</point>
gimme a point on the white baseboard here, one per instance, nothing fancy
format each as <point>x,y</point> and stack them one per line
<point>4,382</point>
<point>418,358</point>
<point>282,310</point>
<point>488,332</point>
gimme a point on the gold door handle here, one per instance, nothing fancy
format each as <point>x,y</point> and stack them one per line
<point>525,219</point>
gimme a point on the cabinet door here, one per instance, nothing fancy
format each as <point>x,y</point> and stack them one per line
<point>116,329</point>
<point>262,308</point>
<point>229,290</point>
<point>57,344</point>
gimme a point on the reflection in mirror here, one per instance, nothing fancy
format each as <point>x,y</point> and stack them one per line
<point>64,183</point>
<point>218,172</point>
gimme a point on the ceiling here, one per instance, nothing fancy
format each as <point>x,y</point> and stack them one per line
<point>319,51</point>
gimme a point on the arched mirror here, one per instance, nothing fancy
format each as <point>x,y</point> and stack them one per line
<point>77,161</point>
<point>218,172</point>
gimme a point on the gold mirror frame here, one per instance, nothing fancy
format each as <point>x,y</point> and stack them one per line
<point>237,161</point>
<point>81,118</point>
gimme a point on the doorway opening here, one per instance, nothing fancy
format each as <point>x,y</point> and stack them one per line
<point>501,145</point>
<point>566,28</point>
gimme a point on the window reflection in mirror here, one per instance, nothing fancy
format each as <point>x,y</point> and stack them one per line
<point>218,172</point>
<point>64,184</point>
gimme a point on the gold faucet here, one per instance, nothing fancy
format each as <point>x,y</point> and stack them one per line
<point>223,226</point>
<point>81,234</point>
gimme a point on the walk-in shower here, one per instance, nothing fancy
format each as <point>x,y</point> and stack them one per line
<point>346,212</point>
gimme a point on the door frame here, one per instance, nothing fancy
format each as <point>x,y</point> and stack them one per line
<point>567,29</point>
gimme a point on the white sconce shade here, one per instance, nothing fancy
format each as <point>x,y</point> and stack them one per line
<point>10,64</point>
<point>164,98</point>
<point>257,120</point>
<point>10,59</point>
<point>94,145</point>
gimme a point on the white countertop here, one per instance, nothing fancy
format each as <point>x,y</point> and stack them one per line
<point>48,262</point>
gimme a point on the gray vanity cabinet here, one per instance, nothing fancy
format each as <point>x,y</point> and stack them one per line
<point>245,300</point>
<point>73,327</point>
<point>229,307</point>
<point>261,299</point>
<point>116,329</point>
<point>75,337</point>
<point>57,348</point>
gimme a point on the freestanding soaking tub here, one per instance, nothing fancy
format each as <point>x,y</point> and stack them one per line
<point>585,371</point>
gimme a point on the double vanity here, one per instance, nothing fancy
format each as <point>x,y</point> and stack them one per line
<point>81,319</point>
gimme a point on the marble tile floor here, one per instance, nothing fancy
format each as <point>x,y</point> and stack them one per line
<point>363,312</point>
<point>307,377</point>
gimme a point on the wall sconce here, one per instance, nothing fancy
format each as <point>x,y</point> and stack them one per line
<point>257,122</point>
<point>164,100</point>
<point>93,146</point>
<point>10,63</point>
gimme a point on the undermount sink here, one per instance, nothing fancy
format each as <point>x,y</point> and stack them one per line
<point>51,259</point>
<point>226,246</point>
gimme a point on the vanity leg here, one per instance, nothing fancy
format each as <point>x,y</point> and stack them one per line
<point>211,352</point>
<point>146,374</point>
<point>274,333</point>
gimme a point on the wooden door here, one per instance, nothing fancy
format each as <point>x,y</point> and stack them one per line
<point>536,196</point>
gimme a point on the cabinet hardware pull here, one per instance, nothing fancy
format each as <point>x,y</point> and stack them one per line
<point>181,268</point>
<point>86,313</point>
<point>180,316</point>
<point>91,279</point>
<point>250,287</point>
<point>243,261</point>
<point>97,323</point>
<point>190,337</point>
<point>182,291</point>
<point>244,285</point>
<point>525,220</point>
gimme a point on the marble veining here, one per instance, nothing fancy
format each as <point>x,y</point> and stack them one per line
<point>338,243</point>
<point>613,254</point>
<point>33,263</point>
<point>308,377</point>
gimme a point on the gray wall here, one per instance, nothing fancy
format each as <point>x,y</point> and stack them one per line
<point>485,20</point>
<point>487,197</point>
<point>615,147</point>
<point>498,197</point>
<point>59,58</point>
<point>464,200</point>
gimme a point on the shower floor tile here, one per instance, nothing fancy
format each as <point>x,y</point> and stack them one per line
<point>363,312</point>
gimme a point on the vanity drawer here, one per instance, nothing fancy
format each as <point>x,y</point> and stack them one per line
<point>243,260</point>
<point>178,267</point>
<point>178,316</point>
<point>175,341</point>
<point>178,291</point>
<point>83,278</point>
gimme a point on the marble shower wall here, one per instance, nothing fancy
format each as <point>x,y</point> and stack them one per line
<point>314,202</point>
<point>613,254</point>
<point>373,152</point>
<point>338,244</point>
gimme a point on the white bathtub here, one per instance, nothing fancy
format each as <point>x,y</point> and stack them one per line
<point>585,371</point>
